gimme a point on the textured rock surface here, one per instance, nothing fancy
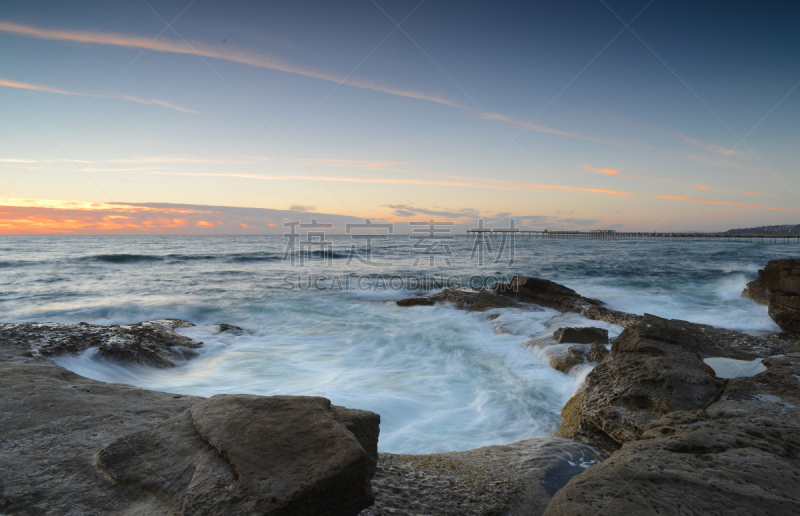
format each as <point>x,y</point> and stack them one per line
<point>757,289</point>
<point>782,280</point>
<point>741,455</point>
<point>511,479</point>
<point>573,356</point>
<point>580,335</point>
<point>597,353</point>
<point>153,343</point>
<point>71,445</point>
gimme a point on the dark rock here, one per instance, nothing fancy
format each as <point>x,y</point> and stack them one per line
<point>472,299</point>
<point>738,456</point>
<point>581,335</point>
<point>782,280</point>
<point>522,289</point>
<point>153,343</point>
<point>757,290</point>
<point>71,445</point>
<point>597,352</point>
<point>229,328</point>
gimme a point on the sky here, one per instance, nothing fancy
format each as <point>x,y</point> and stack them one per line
<point>200,117</point>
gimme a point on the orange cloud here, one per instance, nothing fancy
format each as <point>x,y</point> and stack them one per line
<point>692,199</point>
<point>606,171</point>
<point>48,89</point>
<point>259,60</point>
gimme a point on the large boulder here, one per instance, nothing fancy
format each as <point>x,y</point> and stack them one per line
<point>239,454</point>
<point>652,370</point>
<point>782,280</point>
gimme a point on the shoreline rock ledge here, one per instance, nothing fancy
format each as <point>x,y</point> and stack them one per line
<point>71,445</point>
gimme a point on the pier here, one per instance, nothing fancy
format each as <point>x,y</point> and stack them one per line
<point>614,235</point>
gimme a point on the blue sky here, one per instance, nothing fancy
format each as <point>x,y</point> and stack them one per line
<point>555,113</point>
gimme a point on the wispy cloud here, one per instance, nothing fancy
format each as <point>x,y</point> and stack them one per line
<point>240,160</point>
<point>712,147</point>
<point>693,199</point>
<point>260,60</point>
<point>131,98</point>
<point>405,211</point>
<point>494,184</point>
<point>606,171</point>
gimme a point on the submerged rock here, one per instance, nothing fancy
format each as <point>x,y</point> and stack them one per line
<point>153,343</point>
<point>229,328</point>
<point>581,335</point>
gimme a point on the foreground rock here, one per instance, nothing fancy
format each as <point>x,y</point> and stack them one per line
<point>739,455</point>
<point>530,291</point>
<point>512,479</point>
<point>782,280</point>
<point>71,445</point>
<point>153,343</point>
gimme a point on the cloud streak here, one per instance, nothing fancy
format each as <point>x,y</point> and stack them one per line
<point>693,199</point>
<point>711,147</point>
<point>499,184</point>
<point>58,91</point>
<point>606,171</point>
<point>259,60</point>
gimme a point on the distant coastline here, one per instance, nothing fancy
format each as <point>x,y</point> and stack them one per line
<point>769,230</point>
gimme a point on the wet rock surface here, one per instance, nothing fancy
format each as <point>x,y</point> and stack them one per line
<point>512,479</point>
<point>153,343</point>
<point>581,335</point>
<point>71,445</point>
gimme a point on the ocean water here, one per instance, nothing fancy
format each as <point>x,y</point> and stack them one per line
<point>441,379</point>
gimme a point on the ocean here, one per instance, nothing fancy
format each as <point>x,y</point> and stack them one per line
<point>326,323</point>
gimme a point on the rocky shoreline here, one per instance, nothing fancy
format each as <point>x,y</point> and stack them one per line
<point>654,429</point>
